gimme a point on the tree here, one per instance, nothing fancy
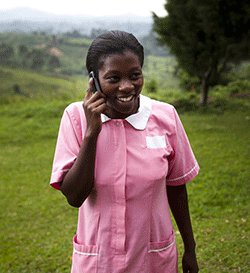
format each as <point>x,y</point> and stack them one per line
<point>6,53</point>
<point>23,52</point>
<point>37,58</point>
<point>206,36</point>
<point>54,62</point>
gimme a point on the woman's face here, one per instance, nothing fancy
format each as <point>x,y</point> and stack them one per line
<point>121,80</point>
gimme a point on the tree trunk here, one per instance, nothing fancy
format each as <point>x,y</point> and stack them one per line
<point>205,88</point>
<point>204,92</point>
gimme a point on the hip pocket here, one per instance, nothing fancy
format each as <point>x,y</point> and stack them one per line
<point>84,259</point>
<point>163,256</point>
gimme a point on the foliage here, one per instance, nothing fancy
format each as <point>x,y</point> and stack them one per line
<point>6,53</point>
<point>161,69</point>
<point>240,72</point>
<point>151,86</point>
<point>206,36</point>
<point>236,88</point>
<point>188,82</point>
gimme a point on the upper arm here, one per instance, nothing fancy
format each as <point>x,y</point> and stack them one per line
<point>67,148</point>
<point>183,166</point>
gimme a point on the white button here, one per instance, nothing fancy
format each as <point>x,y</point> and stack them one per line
<point>118,123</point>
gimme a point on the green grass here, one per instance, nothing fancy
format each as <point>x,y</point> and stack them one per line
<point>219,198</point>
<point>37,86</point>
<point>37,224</point>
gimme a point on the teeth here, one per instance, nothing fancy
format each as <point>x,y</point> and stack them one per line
<point>125,99</point>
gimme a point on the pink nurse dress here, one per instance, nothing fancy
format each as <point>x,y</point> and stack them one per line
<point>124,226</point>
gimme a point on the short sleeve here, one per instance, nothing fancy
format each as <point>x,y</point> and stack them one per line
<point>183,166</point>
<point>67,148</point>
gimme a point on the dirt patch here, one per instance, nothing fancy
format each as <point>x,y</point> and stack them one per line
<point>42,46</point>
<point>54,51</point>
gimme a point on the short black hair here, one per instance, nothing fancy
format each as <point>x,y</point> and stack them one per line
<point>112,42</point>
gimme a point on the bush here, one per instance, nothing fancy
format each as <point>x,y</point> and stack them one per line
<point>235,87</point>
<point>152,86</point>
<point>188,102</point>
<point>187,82</point>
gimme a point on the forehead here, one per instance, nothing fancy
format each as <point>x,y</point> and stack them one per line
<point>115,60</point>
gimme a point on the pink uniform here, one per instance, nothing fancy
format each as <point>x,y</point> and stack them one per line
<point>124,226</point>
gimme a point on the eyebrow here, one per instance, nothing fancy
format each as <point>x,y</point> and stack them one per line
<point>137,68</point>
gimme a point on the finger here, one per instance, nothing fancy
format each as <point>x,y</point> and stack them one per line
<point>97,103</point>
<point>95,97</point>
<point>101,108</point>
<point>90,96</point>
<point>90,107</point>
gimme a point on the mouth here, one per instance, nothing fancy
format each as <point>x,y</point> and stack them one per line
<point>123,105</point>
<point>126,99</point>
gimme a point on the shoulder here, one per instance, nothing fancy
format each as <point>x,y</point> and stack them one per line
<point>160,107</point>
<point>75,113</point>
<point>75,110</point>
<point>163,113</point>
<point>74,107</point>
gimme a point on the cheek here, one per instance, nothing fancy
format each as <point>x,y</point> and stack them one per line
<point>109,91</point>
<point>140,83</point>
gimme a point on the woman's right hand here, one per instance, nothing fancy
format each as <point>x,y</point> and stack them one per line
<point>79,181</point>
<point>93,104</point>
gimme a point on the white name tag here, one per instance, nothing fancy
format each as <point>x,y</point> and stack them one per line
<point>154,142</point>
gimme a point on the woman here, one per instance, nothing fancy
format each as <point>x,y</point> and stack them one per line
<point>123,159</point>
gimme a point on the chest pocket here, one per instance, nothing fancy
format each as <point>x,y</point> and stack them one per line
<point>155,142</point>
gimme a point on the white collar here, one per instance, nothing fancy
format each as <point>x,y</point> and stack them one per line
<point>138,120</point>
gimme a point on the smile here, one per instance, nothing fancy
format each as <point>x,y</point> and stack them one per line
<point>126,99</point>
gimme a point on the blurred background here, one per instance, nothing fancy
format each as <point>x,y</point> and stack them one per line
<point>196,58</point>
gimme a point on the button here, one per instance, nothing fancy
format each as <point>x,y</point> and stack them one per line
<point>118,123</point>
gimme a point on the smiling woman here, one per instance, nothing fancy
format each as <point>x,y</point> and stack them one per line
<point>123,160</point>
<point>119,69</point>
<point>121,81</point>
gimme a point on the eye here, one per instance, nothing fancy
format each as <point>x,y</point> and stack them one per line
<point>113,79</point>
<point>136,75</point>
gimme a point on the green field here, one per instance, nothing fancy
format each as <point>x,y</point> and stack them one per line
<point>37,224</point>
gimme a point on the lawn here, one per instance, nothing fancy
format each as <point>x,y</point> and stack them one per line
<point>37,224</point>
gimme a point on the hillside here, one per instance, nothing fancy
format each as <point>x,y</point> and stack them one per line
<point>19,85</point>
<point>62,53</point>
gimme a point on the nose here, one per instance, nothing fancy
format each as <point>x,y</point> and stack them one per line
<point>126,86</point>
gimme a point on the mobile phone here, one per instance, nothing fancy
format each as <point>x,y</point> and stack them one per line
<point>95,81</point>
